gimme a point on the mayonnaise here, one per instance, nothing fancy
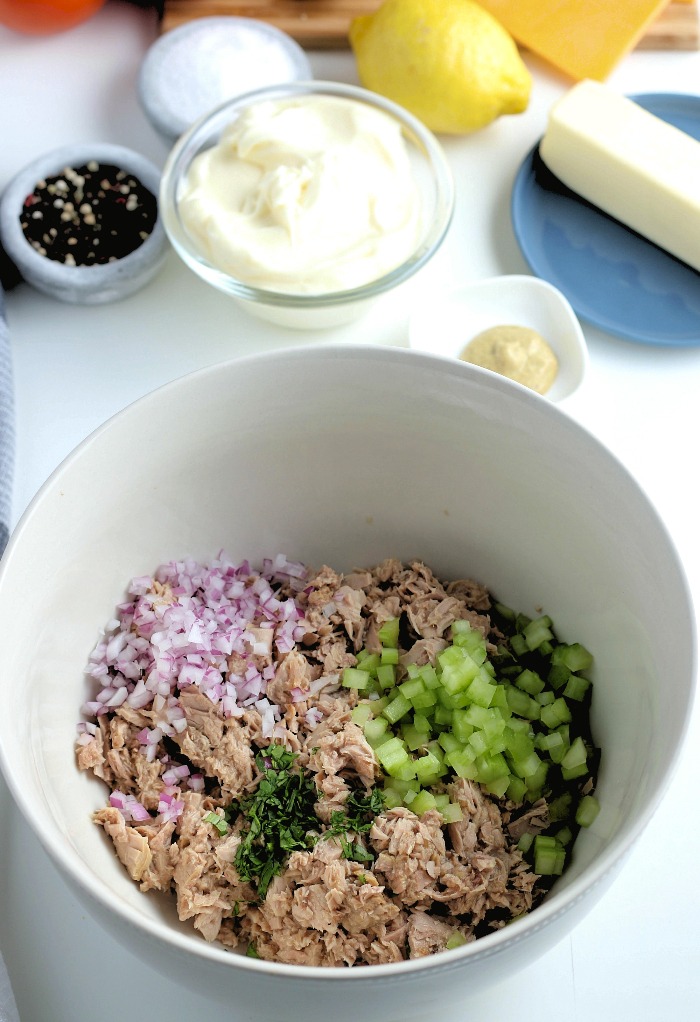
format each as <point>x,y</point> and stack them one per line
<point>305,196</point>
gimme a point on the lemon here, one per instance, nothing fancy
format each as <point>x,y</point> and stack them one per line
<point>447,61</point>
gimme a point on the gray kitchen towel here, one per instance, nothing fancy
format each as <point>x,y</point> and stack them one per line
<point>7,428</point>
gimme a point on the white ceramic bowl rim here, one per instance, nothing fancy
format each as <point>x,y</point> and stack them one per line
<point>556,905</point>
<point>178,161</point>
<point>51,163</point>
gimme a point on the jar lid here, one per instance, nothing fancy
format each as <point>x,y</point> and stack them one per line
<point>192,69</point>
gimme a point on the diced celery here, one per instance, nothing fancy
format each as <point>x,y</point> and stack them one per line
<point>587,810</point>
<point>558,676</point>
<point>428,768</point>
<point>361,713</point>
<point>386,676</point>
<point>499,697</point>
<point>463,762</point>
<point>477,715</point>
<point>423,700</point>
<point>371,663</point>
<point>576,754</point>
<point>516,724</point>
<point>518,645</point>
<point>421,723</point>
<point>521,621</point>
<point>549,856</point>
<point>389,656</point>
<point>516,789</point>
<point>374,729</point>
<point>413,738</point>
<point>409,796</point>
<point>392,755</point>
<point>455,940</point>
<point>472,641</point>
<point>389,632</point>
<point>576,687</point>
<point>525,842</point>
<point>521,703</point>
<point>527,766</point>
<point>436,749</point>
<point>571,773</point>
<point>481,691</point>
<point>403,786</point>
<point>406,771</point>
<point>504,611</point>
<point>535,782</point>
<point>451,813</point>
<point>498,786</point>
<point>429,676</point>
<point>575,656</point>
<point>491,767</point>
<point>397,708</point>
<point>537,631</point>
<point>392,798</point>
<point>550,740</point>
<point>478,742</point>
<point>443,715</point>
<point>564,835</point>
<point>449,741</point>
<point>353,677</point>
<point>457,677</point>
<point>461,726</point>
<point>519,744</point>
<point>460,628</point>
<point>529,682</point>
<point>411,687</point>
<point>555,714</point>
<point>423,801</point>
<point>546,697</point>
<point>497,743</point>
<point>450,656</point>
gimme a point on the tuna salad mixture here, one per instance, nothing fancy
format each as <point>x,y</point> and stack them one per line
<point>337,769</point>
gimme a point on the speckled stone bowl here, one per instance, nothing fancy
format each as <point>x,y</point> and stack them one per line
<point>88,285</point>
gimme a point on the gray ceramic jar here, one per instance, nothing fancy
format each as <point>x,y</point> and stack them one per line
<point>92,284</point>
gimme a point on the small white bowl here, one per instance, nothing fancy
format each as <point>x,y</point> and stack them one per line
<point>195,67</point>
<point>450,321</point>
<point>86,285</point>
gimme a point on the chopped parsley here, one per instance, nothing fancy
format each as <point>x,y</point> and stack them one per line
<point>280,818</point>
<point>357,816</point>
<point>279,814</point>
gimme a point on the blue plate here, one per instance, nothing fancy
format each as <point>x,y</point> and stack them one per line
<point>613,278</point>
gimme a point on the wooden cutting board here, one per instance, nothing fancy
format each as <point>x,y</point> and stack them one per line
<point>323,24</point>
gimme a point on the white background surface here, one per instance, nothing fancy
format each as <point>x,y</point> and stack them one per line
<point>637,955</point>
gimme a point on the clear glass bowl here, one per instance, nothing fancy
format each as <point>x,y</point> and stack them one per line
<point>431,171</point>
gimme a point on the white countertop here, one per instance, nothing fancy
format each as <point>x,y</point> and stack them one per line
<point>636,957</point>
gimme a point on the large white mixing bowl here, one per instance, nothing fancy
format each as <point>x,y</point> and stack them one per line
<point>345,455</point>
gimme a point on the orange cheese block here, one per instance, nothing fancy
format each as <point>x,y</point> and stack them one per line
<point>583,38</point>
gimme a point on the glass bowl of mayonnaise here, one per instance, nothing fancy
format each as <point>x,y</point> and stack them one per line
<point>306,201</point>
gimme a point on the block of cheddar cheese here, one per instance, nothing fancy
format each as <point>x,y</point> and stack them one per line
<point>629,163</point>
<point>584,38</point>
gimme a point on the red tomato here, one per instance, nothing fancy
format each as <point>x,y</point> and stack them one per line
<point>41,17</point>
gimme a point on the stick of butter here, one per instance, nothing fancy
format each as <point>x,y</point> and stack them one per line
<point>628,163</point>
